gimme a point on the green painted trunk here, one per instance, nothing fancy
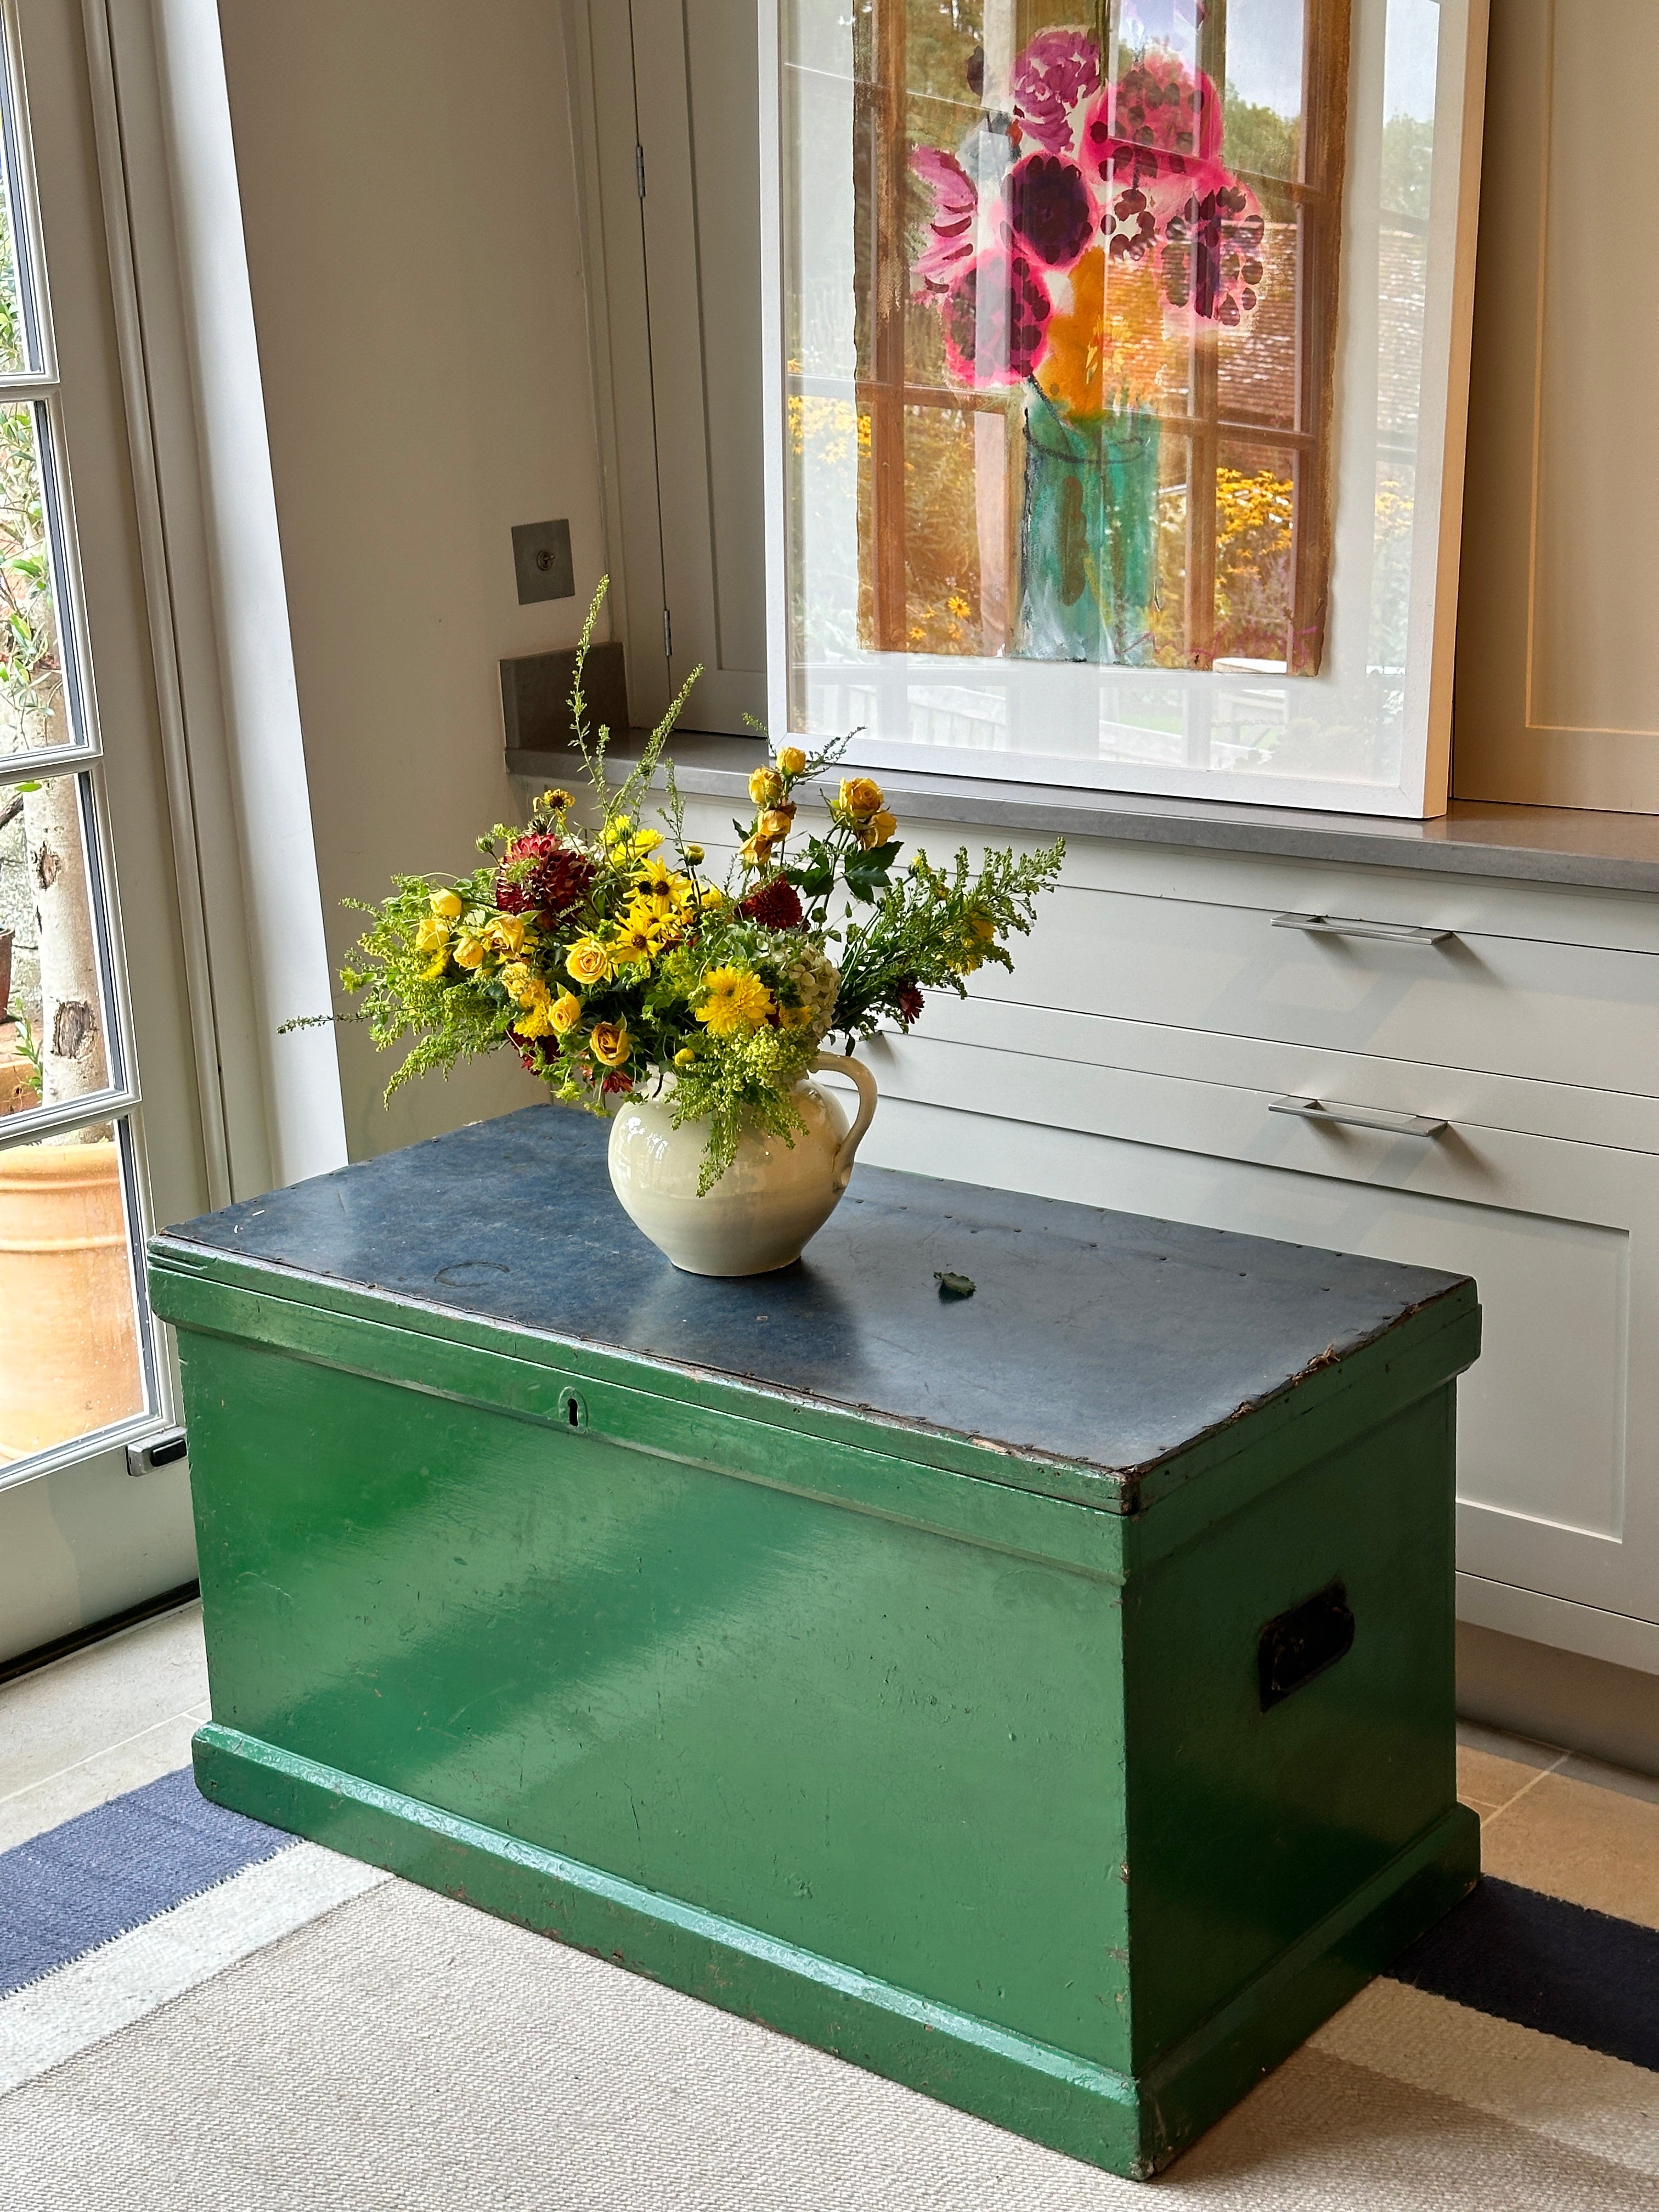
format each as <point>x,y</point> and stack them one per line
<point>939,1749</point>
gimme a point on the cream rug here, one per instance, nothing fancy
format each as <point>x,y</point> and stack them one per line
<point>304,2033</point>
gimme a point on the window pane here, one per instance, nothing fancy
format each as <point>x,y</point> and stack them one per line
<point>1255,496</point>
<point>69,1355</point>
<point>54,1044</point>
<point>32,708</point>
<point>14,337</point>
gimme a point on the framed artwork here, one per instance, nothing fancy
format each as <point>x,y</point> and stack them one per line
<point>1116,369</point>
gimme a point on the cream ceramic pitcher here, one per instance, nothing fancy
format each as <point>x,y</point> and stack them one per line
<point>770,1201</point>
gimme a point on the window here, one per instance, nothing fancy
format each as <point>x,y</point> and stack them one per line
<point>77,1358</point>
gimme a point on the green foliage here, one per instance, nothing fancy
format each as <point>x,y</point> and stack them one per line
<point>933,929</point>
<point>29,1046</point>
<point>31,669</point>
<point>608,961</point>
<point>1258,140</point>
<point>1407,165</point>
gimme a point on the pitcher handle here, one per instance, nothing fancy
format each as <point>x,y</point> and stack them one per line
<point>843,1063</point>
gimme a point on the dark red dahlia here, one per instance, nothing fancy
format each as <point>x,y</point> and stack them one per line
<point>908,1002</point>
<point>996,322</point>
<point>1048,208</point>
<point>774,906</point>
<point>1214,255</point>
<point>558,881</point>
<point>534,1052</point>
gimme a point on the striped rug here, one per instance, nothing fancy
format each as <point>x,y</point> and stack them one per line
<point>196,2011</point>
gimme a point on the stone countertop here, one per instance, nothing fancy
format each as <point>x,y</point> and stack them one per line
<point>1474,837</point>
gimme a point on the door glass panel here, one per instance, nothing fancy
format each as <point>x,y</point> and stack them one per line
<point>55,1040</point>
<point>70,1357</point>
<point>14,349</point>
<point>32,705</point>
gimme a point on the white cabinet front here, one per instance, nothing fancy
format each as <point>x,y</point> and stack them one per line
<point>1558,1422</point>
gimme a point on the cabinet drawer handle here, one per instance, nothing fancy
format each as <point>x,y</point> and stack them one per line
<point>1360,1117</point>
<point>1331,925</point>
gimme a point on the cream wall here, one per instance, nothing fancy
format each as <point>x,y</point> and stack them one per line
<point>408,196</point>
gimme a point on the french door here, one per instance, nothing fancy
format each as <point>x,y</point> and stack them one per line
<point>99,1111</point>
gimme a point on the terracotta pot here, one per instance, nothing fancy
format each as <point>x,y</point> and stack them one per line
<point>68,1350</point>
<point>770,1201</point>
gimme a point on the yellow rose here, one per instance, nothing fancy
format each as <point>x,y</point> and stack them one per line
<point>755,852</point>
<point>506,934</point>
<point>765,786</point>
<point>520,984</point>
<point>876,830</point>
<point>448,904</point>
<point>564,1013</point>
<point>861,795</point>
<point>470,952</point>
<point>610,1043</point>
<point>588,962</point>
<point>776,822</point>
<point>712,895</point>
<point>792,761</point>
<point>685,1058</point>
<point>692,856</point>
<point>433,935</point>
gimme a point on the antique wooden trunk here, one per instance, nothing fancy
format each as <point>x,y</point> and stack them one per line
<point>1042,1698</point>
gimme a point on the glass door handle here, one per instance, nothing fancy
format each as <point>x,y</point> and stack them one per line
<point>1331,925</point>
<point>1360,1117</point>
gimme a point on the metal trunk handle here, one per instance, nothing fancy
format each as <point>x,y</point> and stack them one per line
<point>1300,1644</point>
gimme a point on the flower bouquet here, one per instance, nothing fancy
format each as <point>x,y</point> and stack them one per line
<point>611,956</point>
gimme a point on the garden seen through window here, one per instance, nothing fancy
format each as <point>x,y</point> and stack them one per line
<point>74,1354</point>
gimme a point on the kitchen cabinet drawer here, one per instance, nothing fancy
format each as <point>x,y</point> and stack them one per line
<point>1580,1014</point>
<point>1559,1450</point>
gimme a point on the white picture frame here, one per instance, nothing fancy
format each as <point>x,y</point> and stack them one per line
<point>1169,732</point>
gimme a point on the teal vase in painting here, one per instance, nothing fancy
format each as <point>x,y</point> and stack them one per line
<point>1089,535</point>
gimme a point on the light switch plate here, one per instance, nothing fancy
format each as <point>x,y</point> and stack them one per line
<point>541,561</point>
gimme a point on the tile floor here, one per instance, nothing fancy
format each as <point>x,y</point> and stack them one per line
<point>1568,1825</point>
<point>102,1721</point>
<point>122,1712</point>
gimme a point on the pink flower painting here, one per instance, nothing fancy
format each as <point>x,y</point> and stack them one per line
<point>1134,165</point>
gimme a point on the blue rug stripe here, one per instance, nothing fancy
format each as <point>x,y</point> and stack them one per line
<point>64,1893</point>
<point>1521,1956</point>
